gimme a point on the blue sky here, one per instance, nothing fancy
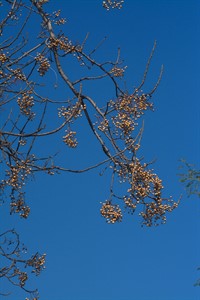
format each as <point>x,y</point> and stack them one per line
<point>88,259</point>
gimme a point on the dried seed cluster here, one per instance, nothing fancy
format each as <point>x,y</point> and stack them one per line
<point>143,182</point>
<point>111,212</point>
<point>23,277</point>
<point>15,178</point>
<point>146,188</point>
<point>3,58</point>
<point>56,18</point>
<point>142,104</point>
<point>43,64</point>
<point>22,142</point>
<point>117,71</point>
<point>62,43</point>
<point>70,140</point>
<point>37,262</point>
<point>103,126</point>
<point>18,206</point>
<point>14,74</point>
<point>129,108</point>
<point>17,174</point>
<point>26,102</point>
<point>41,2</point>
<point>108,4</point>
<point>124,122</point>
<point>129,205</point>
<point>157,211</point>
<point>19,75</point>
<point>70,112</point>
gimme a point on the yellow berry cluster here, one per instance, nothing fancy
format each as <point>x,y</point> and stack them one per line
<point>129,108</point>
<point>70,111</point>
<point>103,126</point>
<point>56,15</point>
<point>3,58</point>
<point>37,262</point>
<point>118,72</point>
<point>129,204</point>
<point>142,180</point>
<point>142,103</point>
<point>124,122</point>
<point>146,189</point>
<point>13,177</point>
<point>111,212</point>
<point>70,140</point>
<point>19,75</point>
<point>26,102</point>
<point>18,206</point>
<point>124,119</point>
<point>17,174</point>
<point>43,64</point>
<point>62,43</point>
<point>157,211</point>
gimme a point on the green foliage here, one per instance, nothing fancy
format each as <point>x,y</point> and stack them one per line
<point>190,177</point>
<point>197,283</point>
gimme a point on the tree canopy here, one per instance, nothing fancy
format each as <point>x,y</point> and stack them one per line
<point>30,59</point>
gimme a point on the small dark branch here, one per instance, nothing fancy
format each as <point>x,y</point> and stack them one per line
<point>97,47</point>
<point>147,69</point>
<point>158,82</point>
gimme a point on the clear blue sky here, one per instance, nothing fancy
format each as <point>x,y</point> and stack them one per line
<point>88,259</point>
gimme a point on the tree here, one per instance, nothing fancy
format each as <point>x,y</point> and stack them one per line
<point>190,177</point>
<point>27,109</point>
